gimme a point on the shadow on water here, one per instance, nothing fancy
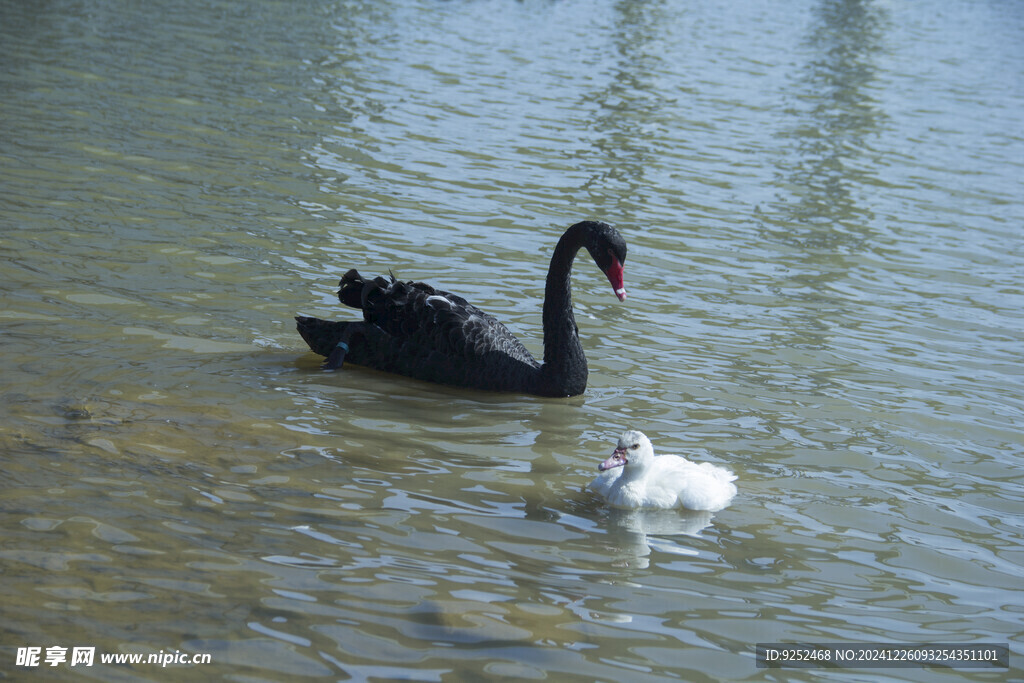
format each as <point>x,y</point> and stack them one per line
<point>835,118</point>
<point>630,105</point>
<point>828,174</point>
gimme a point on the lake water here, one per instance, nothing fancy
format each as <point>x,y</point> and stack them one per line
<point>826,279</point>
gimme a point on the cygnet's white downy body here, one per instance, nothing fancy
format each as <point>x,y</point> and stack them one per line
<point>634,477</point>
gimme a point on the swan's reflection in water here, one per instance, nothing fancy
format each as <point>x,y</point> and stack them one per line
<point>633,534</point>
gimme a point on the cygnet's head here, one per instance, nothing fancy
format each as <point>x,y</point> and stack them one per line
<point>633,449</point>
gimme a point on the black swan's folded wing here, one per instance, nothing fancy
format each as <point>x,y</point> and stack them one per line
<point>418,314</point>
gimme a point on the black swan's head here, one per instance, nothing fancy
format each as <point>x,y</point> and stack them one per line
<point>608,249</point>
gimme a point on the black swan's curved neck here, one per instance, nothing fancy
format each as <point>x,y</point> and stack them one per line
<point>565,367</point>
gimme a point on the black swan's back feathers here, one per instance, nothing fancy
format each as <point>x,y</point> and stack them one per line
<point>431,318</point>
<point>350,289</point>
<point>413,329</point>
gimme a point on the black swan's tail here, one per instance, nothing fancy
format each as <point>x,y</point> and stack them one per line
<point>321,335</point>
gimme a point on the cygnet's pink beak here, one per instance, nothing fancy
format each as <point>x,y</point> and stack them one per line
<point>618,459</point>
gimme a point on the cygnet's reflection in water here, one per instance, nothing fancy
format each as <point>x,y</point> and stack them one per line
<point>633,534</point>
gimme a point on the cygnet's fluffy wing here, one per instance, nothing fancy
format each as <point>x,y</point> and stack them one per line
<point>695,486</point>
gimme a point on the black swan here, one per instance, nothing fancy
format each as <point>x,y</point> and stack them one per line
<point>412,329</point>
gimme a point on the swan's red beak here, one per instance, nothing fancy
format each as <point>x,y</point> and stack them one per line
<point>618,459</point>
<point>614,274</point>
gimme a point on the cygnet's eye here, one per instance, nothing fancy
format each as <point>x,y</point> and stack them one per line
<point>634,447</point>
